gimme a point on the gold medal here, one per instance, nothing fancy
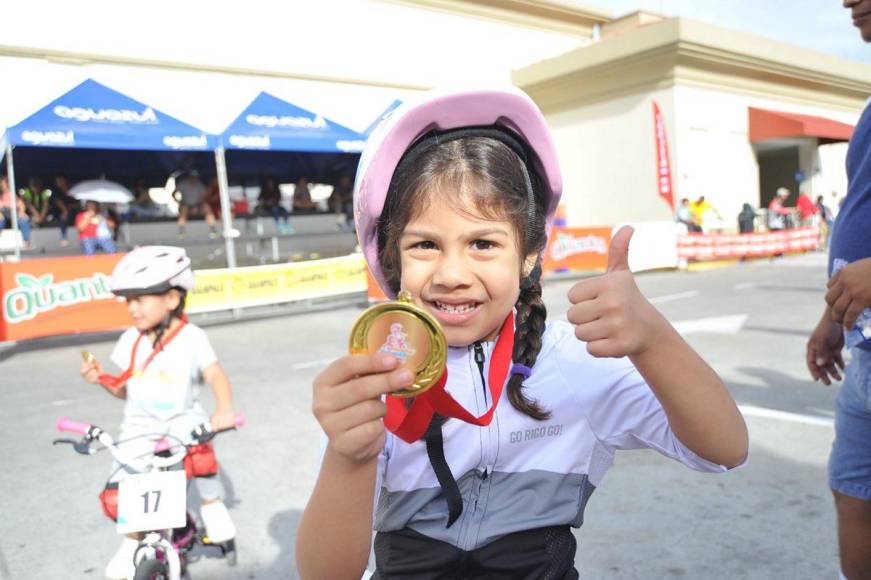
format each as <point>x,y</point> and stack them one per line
<point>407,332</point>
<point>88,357</point>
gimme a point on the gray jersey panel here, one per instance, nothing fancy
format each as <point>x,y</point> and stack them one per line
<point>512,502</point>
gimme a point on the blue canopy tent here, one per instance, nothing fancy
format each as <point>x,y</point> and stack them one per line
<point>93,116</point>
<point>98,128</point>
<point>390,108</point>
<point>290,141</point>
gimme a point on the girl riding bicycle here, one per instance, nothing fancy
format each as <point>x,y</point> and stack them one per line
<point>453,199</point>
<point>164,359</point>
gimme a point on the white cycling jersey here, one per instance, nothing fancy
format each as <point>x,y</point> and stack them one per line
<point>518,473</point>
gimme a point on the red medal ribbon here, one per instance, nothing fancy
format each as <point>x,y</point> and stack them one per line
<point>410,424</point>
<point>115,382</point>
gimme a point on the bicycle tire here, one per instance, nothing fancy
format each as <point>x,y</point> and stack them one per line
<point>151,570</point>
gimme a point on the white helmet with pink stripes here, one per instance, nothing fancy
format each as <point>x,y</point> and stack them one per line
<point>152,270</point>
<point>508,111</point>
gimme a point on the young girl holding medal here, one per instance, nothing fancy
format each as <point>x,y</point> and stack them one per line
<point>484,474</point>
<point>165,358</point>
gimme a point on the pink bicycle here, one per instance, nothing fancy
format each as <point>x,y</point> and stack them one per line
<point>153,502</point>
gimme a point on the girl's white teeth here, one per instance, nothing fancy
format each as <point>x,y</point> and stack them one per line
<point>456,308</point>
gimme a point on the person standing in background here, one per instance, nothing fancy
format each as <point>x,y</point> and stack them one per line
<point>827,219</point>
<point>846,320</point>
<point>747,219</point>
<point>807,210</point>
<point>779,216</point>
<point>36,199</point>
<point>95,230</point>
<point>269,203</point>
<point>342,202</point>
<point>704,214</point>
<point>63,207</point>
<point>302,197</point>
<point>190,192</point>
<point>6,204</point>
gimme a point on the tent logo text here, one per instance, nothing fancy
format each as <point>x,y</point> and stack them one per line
<point>250,141</point>
<point>350,146</point>
<point>49,137</point>
<point>87,114</point>
<point>272,121</point>
<point>185,142</point>
<point>33,296</point>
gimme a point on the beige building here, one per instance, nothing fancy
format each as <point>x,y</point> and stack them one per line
<point>743,116</point>
<point>594,76</point>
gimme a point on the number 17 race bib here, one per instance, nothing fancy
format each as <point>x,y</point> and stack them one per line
<point>152,501</point>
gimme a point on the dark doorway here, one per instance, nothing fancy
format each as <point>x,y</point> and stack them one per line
<point>777,168</point>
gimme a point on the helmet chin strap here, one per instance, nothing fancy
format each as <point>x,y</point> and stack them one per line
<point>161,327</point>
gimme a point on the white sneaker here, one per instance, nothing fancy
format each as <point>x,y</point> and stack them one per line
<point>120,567</point>
<point>216,519</point>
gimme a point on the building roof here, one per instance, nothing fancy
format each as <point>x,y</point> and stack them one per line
<point>564,16</point>
<point>681,51</point>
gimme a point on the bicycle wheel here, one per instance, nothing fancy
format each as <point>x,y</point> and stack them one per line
<point>151,570</point>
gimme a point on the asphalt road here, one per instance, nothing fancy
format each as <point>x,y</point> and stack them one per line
<point>650,518</point>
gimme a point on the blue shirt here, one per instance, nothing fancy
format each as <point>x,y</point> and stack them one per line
<point>851,236</point>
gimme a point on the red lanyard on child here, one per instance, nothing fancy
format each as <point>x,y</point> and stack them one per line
<point>411,424</point>
<point>115,382</point>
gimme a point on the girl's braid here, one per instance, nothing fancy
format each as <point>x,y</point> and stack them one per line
<point>529,328</point>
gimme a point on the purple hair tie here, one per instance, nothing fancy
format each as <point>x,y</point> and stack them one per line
<point>518,369</point>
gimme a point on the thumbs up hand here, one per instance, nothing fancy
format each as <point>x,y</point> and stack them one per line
<point>609,312</point>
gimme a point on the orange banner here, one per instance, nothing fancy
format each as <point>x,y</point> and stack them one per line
<point>373,290</point>
<point>50,296</point>
<point>577,249</point>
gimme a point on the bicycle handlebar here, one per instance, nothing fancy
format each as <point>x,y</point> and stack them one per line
<point>201,434</point>
<point>64,424</point>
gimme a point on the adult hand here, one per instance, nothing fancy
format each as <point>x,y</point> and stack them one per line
<point>823,356</point>
<point>609,312</point>
<point>850,292</point>
<point>347,402</point>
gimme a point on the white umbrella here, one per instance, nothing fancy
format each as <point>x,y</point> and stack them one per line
<point>102,191</point>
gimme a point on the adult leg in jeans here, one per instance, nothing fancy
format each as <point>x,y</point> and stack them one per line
<point>278,212</point>
<point>89,246</point>
<point>24,226</point>
<point>182,219</point>
<point>106,244</point>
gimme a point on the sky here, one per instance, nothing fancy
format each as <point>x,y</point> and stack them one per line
<point>823,25</point>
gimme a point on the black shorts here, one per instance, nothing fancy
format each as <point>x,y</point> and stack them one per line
<point>540,554</point>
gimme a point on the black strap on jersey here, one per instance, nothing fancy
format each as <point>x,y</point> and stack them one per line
<point>435,449</point>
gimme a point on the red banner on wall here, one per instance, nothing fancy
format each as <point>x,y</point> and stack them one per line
<point>663,162</point>
<point>45,297</point>
<point>728,246</point>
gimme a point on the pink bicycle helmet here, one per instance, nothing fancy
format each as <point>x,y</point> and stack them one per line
<point>508,111</point>
<point>152,270</point>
